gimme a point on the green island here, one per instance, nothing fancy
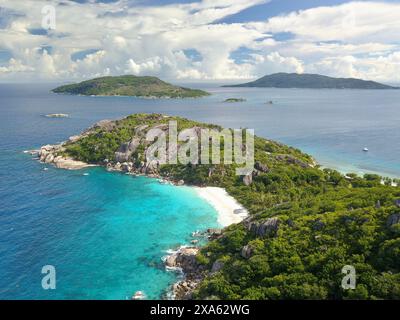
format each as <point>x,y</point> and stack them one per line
<point>311,81</point>
<point>233,100</point>
<point>305,223</point>
<point>129,85</point>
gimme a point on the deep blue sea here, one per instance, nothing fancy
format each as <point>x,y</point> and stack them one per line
<point>106,232</point>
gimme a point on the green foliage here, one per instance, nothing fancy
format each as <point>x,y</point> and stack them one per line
<point>130,86</point>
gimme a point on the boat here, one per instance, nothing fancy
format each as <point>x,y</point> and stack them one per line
<point>365,150</point>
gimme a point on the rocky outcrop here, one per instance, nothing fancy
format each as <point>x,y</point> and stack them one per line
<point>292,160</point>
<point>214,233</point>
<point>268,227</point>
<point>246,252</point>
<point>248,179</point>
<point>183,290</point>
<point>185,259</point>
<point>125,151</point>
<point>107,125</point>
<point>261,167</point>
<point>52,154</point>
<point>217,266</point>
<point>139,130</point>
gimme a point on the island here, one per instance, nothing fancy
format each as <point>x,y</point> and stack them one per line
<point>304,226</point>
<point>57,115</point>
<point>234,100</point>
<point>311,81</point>
<point>129,85</point>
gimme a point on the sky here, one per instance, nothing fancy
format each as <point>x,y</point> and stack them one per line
<point>203,40</point>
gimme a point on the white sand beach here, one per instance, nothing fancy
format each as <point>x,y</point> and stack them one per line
<point>229,210</point>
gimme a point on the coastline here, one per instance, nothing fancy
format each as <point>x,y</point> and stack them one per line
<point>182,259</point>
<point>345,168</point>
<point>230,211</point>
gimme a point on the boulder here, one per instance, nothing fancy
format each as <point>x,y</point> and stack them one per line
<point>49,158</point>
<point>217,266</point>
<point>152,166</point>
<point>74,139</point>
<point>125,167</point>
<point>246,252</point>
<point>248,179</point>
<point>292,160</point>
<point>139,129</point>
<point>268,227</point>
<point>126,150</point>
<point>183,290</point>
<point>261,167</point>
<point>171,261</point>
<point>393,219</point>
<point>240,211</point>
<point>106,125</point>
<point>117,166</point>
<point>214,231</point>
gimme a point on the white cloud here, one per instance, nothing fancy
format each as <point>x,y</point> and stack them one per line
<point>354,39</point>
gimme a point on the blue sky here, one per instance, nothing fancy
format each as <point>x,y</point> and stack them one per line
<point>203,40</point>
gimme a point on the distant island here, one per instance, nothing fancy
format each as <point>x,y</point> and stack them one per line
<point>129,85</point>
<point>57,115</point>
<point>233,100</point>
<point>311,81</point>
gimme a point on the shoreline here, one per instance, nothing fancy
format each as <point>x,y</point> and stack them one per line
<point>229,210</point>
<point>345,168</point>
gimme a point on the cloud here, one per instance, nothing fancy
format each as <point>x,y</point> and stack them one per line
<point>94,38</point>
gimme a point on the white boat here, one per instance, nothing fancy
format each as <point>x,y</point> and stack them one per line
<point>365,150</point>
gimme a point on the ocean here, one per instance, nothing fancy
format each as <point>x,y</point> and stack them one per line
<point>106,233</point>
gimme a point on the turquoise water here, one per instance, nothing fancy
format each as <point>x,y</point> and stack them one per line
<point>105,232</point>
